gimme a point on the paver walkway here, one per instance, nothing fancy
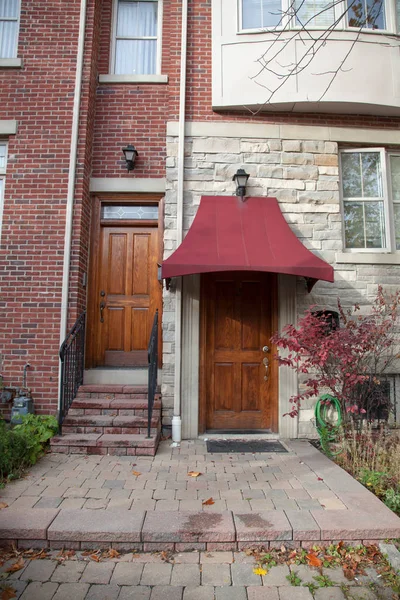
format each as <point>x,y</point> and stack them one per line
<point>189,576</point>
<point>298,496</point>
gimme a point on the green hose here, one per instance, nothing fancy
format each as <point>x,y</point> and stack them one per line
<point>328,432</point>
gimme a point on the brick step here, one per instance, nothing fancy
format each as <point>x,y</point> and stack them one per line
<point>119,430</point>
<point>114,407</point>
<point>114,391</point>
<point>109,421</point>
<point>106,443</point>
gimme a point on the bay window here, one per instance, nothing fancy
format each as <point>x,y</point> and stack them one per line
<point>370,187</point>
<point>9,25</point>
<point>136,44</point>
<point>320,14</point>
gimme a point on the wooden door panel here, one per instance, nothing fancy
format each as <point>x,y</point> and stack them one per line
<point>140,329</point>
<point>116,276</point>
<point>141,260</point>
<point>115,328</point>
<point>239,317</point>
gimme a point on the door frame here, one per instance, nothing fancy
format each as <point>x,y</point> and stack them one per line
<point>94,256</point>
<point>203,358</point>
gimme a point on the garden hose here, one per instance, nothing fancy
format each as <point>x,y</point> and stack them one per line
<point>327,431</point>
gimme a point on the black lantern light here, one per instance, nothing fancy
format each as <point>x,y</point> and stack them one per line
<point>130,153</point>
<point>240,178</point>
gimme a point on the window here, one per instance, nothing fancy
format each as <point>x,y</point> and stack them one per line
<point>322,14</point>
<point>136,37</point>
<point>370,185</point>
<point>9,25</point>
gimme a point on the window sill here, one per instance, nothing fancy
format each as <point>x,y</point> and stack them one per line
<point>10,63</point>
<point>133,78</point>
<point>377,258</point>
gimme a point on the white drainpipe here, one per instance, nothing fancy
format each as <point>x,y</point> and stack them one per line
<point>176,419</point>
<point>71,177</point>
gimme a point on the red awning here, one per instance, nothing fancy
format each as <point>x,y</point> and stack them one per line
<point>228,234</point>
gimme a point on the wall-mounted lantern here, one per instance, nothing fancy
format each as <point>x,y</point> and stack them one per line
<point>130,154</point>
<point>240,178</point>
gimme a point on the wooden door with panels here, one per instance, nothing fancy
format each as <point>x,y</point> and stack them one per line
<point>124,289</point>
<point>239,376</point>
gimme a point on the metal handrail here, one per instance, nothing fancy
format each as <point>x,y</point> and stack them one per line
<point>72,353</point>
<point>152,356</point>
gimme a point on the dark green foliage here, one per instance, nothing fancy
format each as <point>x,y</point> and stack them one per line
<point>22,445</point>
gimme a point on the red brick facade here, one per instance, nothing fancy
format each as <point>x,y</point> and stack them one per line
<point>40,97</point>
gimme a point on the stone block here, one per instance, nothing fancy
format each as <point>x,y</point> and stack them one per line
<point>103,592</point>
<point>243,574</point>
<point>198,593</point>
<point>263,526</point>
<point>31,524</point>
<point>77,591</point>
<point>39,591</point>
<point>185,574</point>
<point>230,593</point>
<point>98,572</point>
<point>92,526</point>
<point>303,525</point>
<point>348,524</point>
<point>216,574</point>
<point>159,575</point>
<point>127,573</point>
<point>262,593</point>
<point>162,526</point>
<point>69,571</point>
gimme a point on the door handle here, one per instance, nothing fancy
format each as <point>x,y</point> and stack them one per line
<point>102,307</point>
<point>265,349</point>
<point>266,364</point>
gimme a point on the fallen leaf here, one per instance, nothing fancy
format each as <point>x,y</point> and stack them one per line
<point>193,474</point>
<point>313,560</point>
<point>112,553</point>
<point>3,505</point>
<point>319,478</point>
<point>348,573</point>
<point>7,593</point>
<point>16,566</point>
<point>136,473</point>
<point>95,557</point>
<point>208,502</point>
<point>260,571</point>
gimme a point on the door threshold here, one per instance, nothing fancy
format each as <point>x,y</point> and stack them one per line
<point>261,434</point>
<point>119,376</point>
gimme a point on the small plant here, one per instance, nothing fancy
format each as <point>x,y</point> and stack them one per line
<point>268,560</point>
<point>392,500</point>
<point>313,587</point>
<point>375,480</point>
<point>323,581</point>
<point>37,429</point>
<point>294,579</point>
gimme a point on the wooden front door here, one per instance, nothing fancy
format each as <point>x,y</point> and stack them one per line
<point>239,375</point>
<point>125,294</point>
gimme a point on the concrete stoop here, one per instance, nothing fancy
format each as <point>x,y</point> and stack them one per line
<point>110,419</point>
<point>180,531</point>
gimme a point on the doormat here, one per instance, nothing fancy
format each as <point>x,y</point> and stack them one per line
<point>251,446</point>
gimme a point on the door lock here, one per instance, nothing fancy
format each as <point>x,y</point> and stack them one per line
<point>265,349</point>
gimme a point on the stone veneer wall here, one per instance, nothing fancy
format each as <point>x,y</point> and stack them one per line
<point>304,176</point>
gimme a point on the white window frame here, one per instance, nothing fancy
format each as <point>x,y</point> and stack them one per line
<point>289,22</point>
<point>16,19</point>
<point>114,37</point>
<point>387,201</point>
<point>4,144</point>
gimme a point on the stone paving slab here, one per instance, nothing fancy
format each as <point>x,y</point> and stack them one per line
<point>26,524</point>
<point>357,525</point>
<point>94,526</point>
<point>188,527</point>
<point>268,525</point>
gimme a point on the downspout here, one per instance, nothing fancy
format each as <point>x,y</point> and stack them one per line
<point>176,419</point>
<point>71,179</point>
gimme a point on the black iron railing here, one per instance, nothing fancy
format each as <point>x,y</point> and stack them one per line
<point>152,354</point>
<point>72,365</point>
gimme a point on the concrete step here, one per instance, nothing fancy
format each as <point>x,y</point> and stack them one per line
<point>107,443</point>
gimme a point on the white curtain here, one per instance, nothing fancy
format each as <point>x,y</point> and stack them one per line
<point>8,29</point>
<point>314,13</point>
<point>134,55</point>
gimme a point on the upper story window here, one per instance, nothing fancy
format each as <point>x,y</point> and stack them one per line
<point>9,25</point>
<point>136,37</point>
<point>321,14</point>
<point>370,185</point>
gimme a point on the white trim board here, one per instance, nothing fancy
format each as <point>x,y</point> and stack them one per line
<point>285,132</point>
<point>127,185</point>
